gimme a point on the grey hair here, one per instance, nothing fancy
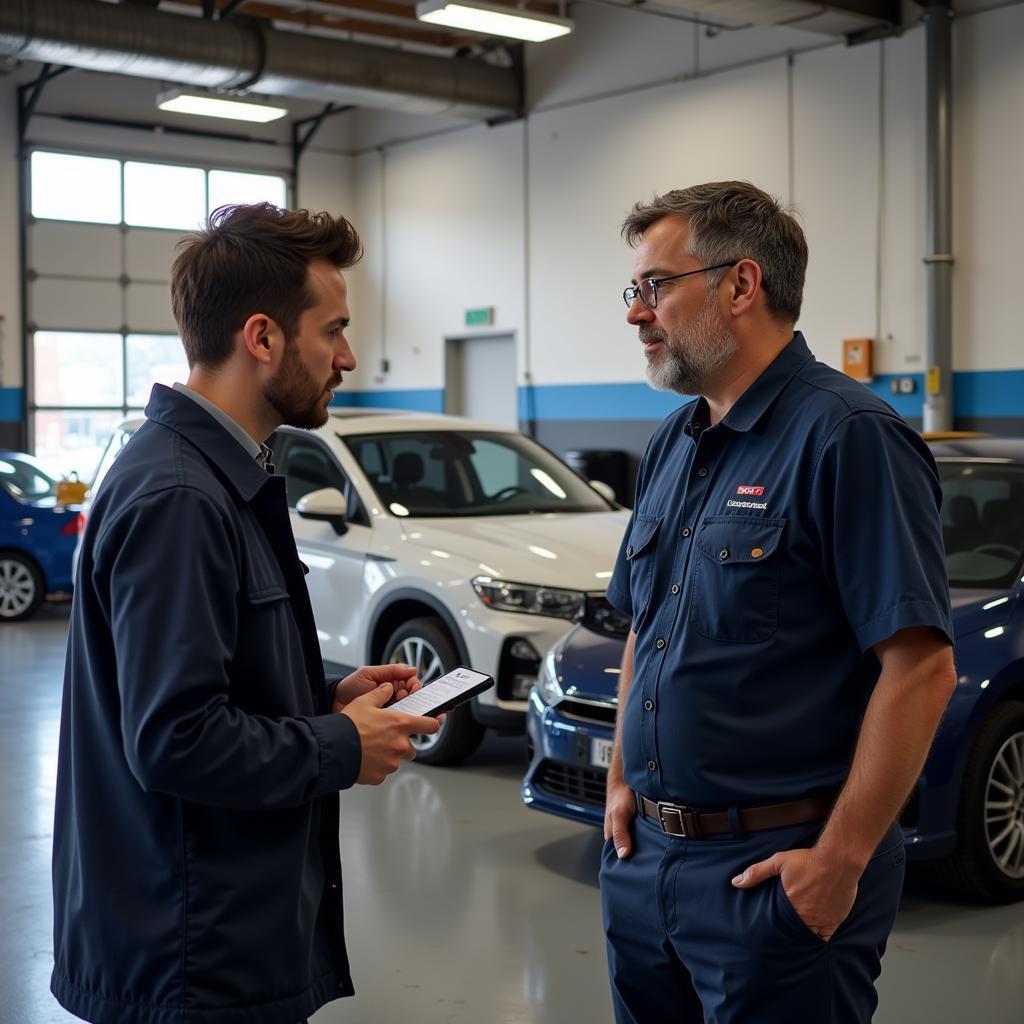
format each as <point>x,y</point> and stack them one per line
<point>733,220</point>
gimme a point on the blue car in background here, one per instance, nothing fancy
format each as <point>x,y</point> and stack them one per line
<point>966,814</point>
<point>37,537</point>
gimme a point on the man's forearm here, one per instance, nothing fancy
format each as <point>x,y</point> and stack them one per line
<point>625,679</point>
<point>895,737</point>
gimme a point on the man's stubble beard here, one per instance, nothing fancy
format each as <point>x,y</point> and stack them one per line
<point>295,395</point>
<point>693,354</point>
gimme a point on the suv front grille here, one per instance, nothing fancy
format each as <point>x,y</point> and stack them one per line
<point>571,782</point>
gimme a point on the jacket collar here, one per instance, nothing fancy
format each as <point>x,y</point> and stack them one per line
<point>755,402</point>
<point>179,413</point>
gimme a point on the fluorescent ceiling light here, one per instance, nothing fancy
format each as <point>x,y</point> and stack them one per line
<point>181,102</point>
<point>493,19</point>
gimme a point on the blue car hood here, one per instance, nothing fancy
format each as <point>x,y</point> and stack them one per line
<point>974,610</point>
<point>588,662</point>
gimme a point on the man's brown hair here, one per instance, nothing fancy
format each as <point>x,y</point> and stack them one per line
<point>734,220</point>
<point>248,260</point>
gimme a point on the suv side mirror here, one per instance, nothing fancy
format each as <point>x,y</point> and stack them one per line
<point>326,505</point>
<point>605,490</point>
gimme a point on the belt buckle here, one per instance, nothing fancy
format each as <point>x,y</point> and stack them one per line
<point>678,821</point>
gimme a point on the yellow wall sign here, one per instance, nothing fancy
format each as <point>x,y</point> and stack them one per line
<point>933,380</point>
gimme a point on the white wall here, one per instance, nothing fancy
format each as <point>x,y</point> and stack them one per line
<point>988,218</point>
<point>450,239</point>
<point>597,140</point>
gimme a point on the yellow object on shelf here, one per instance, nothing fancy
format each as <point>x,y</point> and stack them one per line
<point>71,491</point>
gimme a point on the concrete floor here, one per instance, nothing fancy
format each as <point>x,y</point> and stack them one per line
<point>472,911</point>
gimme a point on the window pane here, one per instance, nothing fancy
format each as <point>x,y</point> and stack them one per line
<point>77,368</point>
<point>309,466</point>
<point>73,439</point>
<point>160,196</point>
<point>82,188</point>
<point>235,187</point>
<point>153,359</point>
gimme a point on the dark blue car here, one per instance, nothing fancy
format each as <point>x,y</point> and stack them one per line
<point>37,537</point>
<point>967,811</point>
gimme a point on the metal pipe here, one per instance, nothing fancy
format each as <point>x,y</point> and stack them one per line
<point>938,404</point>
<point>238,54</point>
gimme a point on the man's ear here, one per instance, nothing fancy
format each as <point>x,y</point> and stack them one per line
<point>258,336</point>
<point>747,285</point>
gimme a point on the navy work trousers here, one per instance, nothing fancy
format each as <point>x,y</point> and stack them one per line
<point>685,947</point>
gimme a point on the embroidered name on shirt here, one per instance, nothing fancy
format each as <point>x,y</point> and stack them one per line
<point>747,504</point>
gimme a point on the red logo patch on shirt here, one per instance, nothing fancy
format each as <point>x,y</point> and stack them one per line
<point>747,489</point>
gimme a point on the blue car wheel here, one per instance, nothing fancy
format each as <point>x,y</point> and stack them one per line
<point>21,587</point>
<point>988,861</point>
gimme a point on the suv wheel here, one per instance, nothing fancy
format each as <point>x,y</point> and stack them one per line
<point>21,587</point>
<point>426,645</point>
<point>988,862</point>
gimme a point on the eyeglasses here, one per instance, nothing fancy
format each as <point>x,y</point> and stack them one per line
<point>647,289</point>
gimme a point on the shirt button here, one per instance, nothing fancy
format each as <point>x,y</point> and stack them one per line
<point>702,471</point>
<point>660,644</point>
<point>648,705</point>
<point>652,766</point>
<point>675,588</point>
<point>629,552</point>
<point>686,531</point>
<point>723,554</point>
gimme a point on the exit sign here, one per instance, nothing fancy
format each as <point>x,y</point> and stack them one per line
<point>482,317</point>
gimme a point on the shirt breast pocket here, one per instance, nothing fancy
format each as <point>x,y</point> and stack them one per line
<point>640,554</point>
<point>735,594</point>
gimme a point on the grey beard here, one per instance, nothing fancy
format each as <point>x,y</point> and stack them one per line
<point>688,364</point>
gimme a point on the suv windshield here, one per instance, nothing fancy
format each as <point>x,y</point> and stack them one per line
<point>982,521</point>
<point>469,473</point>
<point>25,479</point>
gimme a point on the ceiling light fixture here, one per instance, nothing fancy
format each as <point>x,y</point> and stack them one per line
<point>180,101</point>
<point>493,19</point>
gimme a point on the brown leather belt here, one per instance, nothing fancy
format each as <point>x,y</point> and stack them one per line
<point>689,823</point>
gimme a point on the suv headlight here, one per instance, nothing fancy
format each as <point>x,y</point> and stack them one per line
<point>548,686</point>
<point>523,597</point>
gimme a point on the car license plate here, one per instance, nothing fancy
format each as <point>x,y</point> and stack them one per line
<point>601,753</point>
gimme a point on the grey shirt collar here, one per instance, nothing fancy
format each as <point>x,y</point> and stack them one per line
<point>260,452</point>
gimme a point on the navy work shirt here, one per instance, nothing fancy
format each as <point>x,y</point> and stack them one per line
<point>766,556</point>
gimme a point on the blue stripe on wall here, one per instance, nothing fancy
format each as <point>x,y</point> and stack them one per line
<point>10,405</point>
<point>419,399</point>
<point>633,401</point>
<point>977,393</point>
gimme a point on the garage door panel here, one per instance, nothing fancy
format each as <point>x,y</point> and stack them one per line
<point>75,305</point>
<point>76,249</point>
<point>148,308</point>
<point>149,254</point>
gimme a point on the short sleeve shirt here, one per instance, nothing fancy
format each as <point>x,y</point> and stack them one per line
<point>765,558</point>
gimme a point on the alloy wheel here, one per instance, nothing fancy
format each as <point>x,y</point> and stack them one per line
<point>1004,807</point>
<point>17,588</point>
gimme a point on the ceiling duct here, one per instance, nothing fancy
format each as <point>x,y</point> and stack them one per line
<point>240,54</point>
<point>856,20</point>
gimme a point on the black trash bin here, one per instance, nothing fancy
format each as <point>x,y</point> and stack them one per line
<point>609,466</point>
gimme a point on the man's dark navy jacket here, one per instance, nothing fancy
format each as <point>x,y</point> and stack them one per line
<point>196,871</point>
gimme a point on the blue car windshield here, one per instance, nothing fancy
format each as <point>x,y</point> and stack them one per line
<point>23,478</point>
<point>982,521</point>
<point>450,473</point>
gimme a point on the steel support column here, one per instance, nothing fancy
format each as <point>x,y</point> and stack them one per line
<point>938,405</point>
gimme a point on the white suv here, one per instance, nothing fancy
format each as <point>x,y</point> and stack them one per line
<point>437,541</point>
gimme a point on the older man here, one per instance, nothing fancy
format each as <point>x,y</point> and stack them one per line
<point>790,653</point>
